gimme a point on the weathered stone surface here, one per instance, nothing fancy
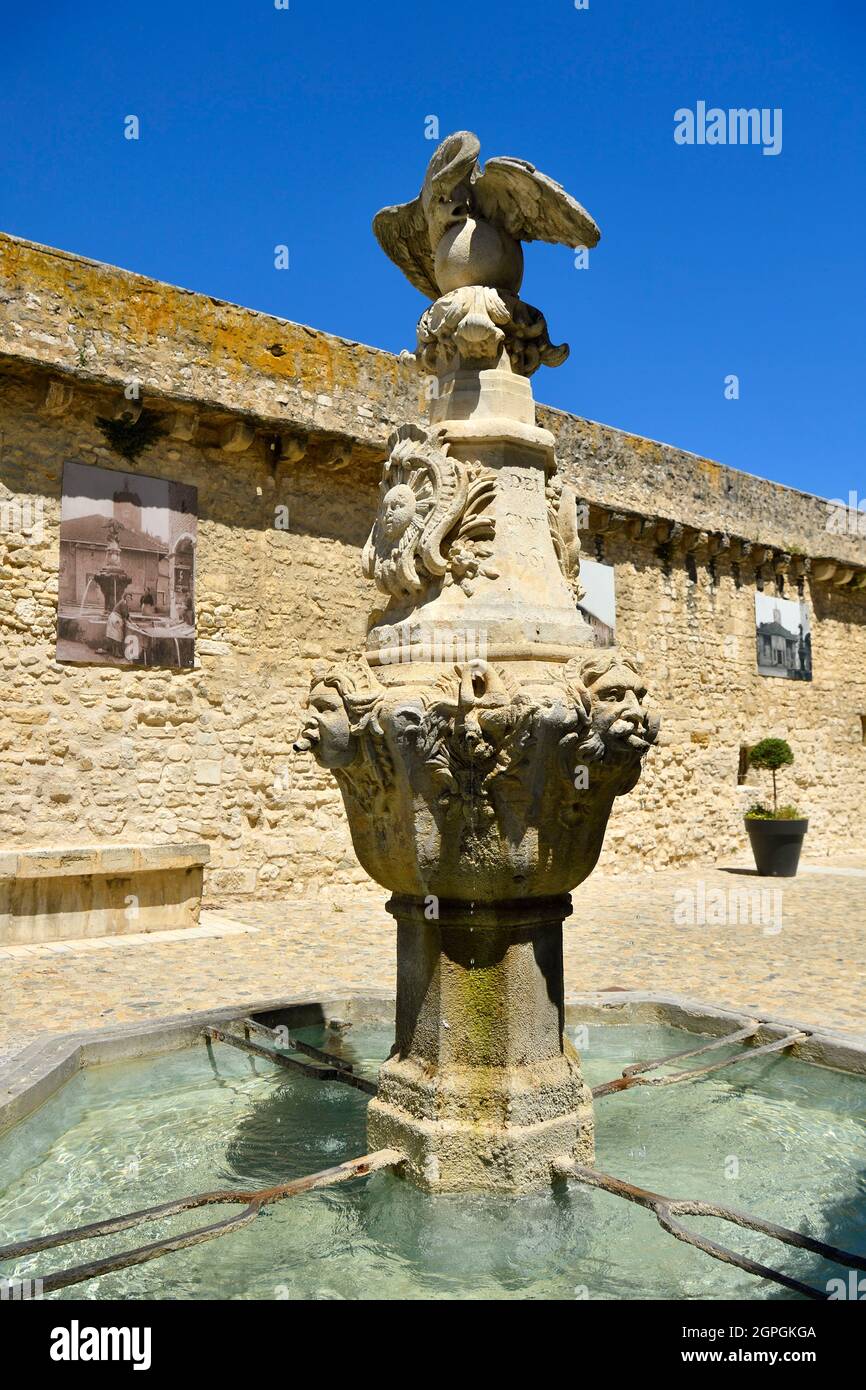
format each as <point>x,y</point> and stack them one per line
<point>481,782</point>
<point>271,602</point>
<point>459,242</point>
<point>100,326</point>
<point>67,894</point>
<point>106,326</point>
<point>481,1089</point>
<point>479,790</point>
<point>96,860</point>
<point>467,223</point>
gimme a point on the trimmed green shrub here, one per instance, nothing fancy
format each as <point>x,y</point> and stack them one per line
<point>771,754</point>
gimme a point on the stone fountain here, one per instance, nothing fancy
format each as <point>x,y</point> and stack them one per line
<point>112,580</point>
<point>480,739</point>
<point>479,742</point>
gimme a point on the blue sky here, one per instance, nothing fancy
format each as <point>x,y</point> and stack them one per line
<point>262,127</point>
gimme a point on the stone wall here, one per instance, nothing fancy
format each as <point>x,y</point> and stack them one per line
<point>91,753</point>
<point>259,414</point>
<point>697,641</point>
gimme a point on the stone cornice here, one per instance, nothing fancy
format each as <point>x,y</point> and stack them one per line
<point>101,326</point>
<point>649,485</point>
<point>226,376</point>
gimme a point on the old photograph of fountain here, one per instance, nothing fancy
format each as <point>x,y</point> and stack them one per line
<point>127,569</point>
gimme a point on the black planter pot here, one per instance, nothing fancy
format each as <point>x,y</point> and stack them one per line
<point>776,845</point>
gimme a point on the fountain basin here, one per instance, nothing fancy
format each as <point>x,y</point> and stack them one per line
<point>115,1120</point>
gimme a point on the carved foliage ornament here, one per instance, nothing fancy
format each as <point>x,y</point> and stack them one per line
<point>564,532</point>
<point>432,522</point>
<point>472,325</point>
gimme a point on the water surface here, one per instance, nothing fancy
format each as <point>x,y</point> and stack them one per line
<point>775,1137</point>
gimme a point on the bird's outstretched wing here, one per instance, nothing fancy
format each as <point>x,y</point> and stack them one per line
<point>401,232</point>
<point>530,206</point>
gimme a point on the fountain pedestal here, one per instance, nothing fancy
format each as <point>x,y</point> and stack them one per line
<point>112,580</point>
<point>481,1090</point>
<point>479,743</point>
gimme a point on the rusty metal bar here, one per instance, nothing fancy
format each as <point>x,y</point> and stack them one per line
<point>666,1209</point>
<point>253,1202</point>
<point>630,1078</point>
<point>295,1045</point>
<point>319,1072</point>
<point>729,1038</point>
<point>327,1067</point>
<point>78,1274</point>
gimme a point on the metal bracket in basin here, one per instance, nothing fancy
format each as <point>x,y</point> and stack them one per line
<point>252,1202</point>
<point>325,1067</point>
<point>632,1076</point>
<point>666,1209</point>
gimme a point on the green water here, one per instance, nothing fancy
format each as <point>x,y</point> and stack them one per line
<point>773,1136</point>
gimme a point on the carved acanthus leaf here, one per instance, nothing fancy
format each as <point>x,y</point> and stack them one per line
<point>562,516</point>
<point>473,325</point>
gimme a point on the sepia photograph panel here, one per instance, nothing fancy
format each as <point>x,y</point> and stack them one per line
<point>127,569</point>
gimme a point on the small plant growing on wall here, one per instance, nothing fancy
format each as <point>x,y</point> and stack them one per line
<point>777,835</point>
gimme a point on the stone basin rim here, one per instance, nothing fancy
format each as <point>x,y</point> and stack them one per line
<point>33,1075</point>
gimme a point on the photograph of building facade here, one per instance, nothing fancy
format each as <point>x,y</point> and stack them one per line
<point>783,638</point>
<point>598,604</point>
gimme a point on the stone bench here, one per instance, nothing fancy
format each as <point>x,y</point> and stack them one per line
<point>58,894</point>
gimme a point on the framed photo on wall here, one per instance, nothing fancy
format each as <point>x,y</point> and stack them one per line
<point>783,637</point>
<point>598,604</point>
<point>126,591</point>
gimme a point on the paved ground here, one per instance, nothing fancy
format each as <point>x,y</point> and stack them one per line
<point>795,948</point>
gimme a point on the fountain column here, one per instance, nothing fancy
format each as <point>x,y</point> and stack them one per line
<point>479,743</point>
<point>482,1090</point>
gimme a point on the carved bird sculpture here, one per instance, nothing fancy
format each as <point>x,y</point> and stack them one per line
<point>467,223</point>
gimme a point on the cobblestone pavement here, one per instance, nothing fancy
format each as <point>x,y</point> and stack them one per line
<point>795,948</point>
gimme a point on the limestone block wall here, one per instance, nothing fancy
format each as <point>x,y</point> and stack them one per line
<point>91,754</point>
<point>94,753</point>
<point>260,414</point>
<point>696,638</point>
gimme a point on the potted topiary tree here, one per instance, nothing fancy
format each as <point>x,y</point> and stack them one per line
<point>777,835</point>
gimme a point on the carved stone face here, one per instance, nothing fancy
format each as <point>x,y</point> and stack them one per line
<point>620,711</point>
<point>398,511</point>
<point>326,732</point>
